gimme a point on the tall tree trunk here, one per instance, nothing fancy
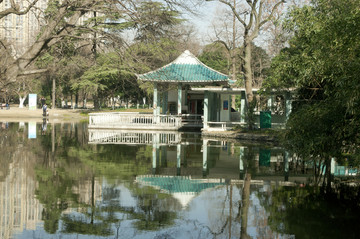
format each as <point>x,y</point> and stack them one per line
<point>233,54</point>
<point>247,71</point>
<point>53,93</point>
<point>328,175</point>
<point>76,100</point>
<point>245,200</point>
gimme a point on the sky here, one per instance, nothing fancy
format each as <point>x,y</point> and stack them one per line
<point>203,21</point>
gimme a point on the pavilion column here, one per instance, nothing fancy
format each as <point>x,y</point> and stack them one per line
<point>242,107</point>
<point>164,157</point>
<point>165,103</point>
<point>205,157</point>
<point>241,162</point>
<point>206,109</point>
<point>155,152</point>
<point>230,105</point>
<point>286,166</point>
<point>179,109</point>
<point>155,99</point>
<point>178,160</point>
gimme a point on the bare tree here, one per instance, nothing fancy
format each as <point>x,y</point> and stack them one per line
<point>62,20</point>
<point>22,87</point>
<point>252,15</point>
<point>226,32</point>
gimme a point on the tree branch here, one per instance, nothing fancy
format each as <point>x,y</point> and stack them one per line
<point>271,14</point>
<point>15,9</point>
<point>233,10</point>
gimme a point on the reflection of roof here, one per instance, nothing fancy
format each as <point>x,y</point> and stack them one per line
<point>186,68</point>
<point>176,184</point>
<point>182,188</point>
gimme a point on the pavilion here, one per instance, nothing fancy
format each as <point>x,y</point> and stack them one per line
<point>188,88</point>
<point>178,89</point>
<point>187,93</point>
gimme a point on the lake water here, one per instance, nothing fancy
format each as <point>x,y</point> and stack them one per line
<point>66,181</point>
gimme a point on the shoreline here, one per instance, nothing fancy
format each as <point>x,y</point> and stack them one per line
<point>15,114</point>
<point>243,137</point>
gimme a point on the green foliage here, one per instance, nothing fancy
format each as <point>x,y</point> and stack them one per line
<point>313,130</point>
<point>155,21</point>
<point>306,212</point>
<point>108,77</point>
<point>79,225</point>
<point>322,62</point>
<point>52,8</point>
<point>216,56</point>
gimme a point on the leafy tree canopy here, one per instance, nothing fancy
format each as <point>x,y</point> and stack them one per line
<point>322,62</point>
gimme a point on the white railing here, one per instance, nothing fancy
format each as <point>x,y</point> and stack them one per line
<point>133,120</point>
<point>192,119</point>
<point>103,136</point>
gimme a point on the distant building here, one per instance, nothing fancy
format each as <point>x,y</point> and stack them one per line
<point>19,208</point>
<point>21,30</point>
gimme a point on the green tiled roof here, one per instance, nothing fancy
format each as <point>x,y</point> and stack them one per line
<point>186,68</point>
<point>176,184</point>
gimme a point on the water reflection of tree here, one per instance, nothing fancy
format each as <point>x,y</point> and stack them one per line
<point>249,160</point>
<point>152,209</point>
<point>9,140</point>
<point>67,161</point>
<point>150,213</point>
<point>14,146</point>
<point>307,212</point>
<point>242,215</point>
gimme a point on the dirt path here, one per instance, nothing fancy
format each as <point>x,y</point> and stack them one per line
<point>15,114</point>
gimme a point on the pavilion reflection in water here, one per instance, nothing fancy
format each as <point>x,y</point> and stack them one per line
<point>183,188</point>
<point>133,137</point>
<point>199,158</point>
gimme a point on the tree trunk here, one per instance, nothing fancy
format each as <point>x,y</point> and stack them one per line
<point>233,52</point>
<point>96,102</point>
<point>247,71</point>
<point>22,100</point>
<point>245,200</point>
<point>76,100</point>
<point>53,93</point>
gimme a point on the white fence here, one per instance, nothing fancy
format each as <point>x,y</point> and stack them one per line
<point>192,119</point>
<point>107,136</point>
<point>134,121</point>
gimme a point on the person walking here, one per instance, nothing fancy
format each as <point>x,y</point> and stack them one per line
<point>45,111</point>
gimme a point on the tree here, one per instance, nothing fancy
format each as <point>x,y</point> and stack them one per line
<point>253,16</point>
<point>59,24</point>
<point>15,8</point>
<point>216,56</point>
<point>108,78</point>
<point>63,20</point>
<point>306,212</point>
<point>22,87</point>
<point>322,63</point>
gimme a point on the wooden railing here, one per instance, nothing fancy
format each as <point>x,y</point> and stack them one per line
<point>133,120</point>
